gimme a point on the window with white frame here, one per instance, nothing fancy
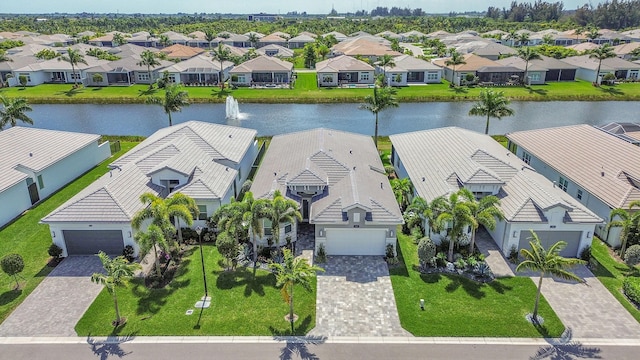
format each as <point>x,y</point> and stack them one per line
<point>27,75</point>
<point>75,76</point>
<point>534,76</point>
<point>579,194</point>
<point>202,212</point>
<point>563,184</point>
<point>241,78</point>
<point>432,76</point>
<point>526,157</point>
<point>364,76</point>
<point>143,76</point>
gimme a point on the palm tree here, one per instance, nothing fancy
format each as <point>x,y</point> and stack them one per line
<point>209,35</point>
<point>164,40</point>
<point>527,54</point>
<point>73,57</point>
<point>229,218</point>
<point>383,98</point>
<point>13,110</point>
<point>253,39</point>
<point>523,39</point>
<point>282,210</point>
<point>512,36</point>
<point>118,39</point>
<point>160,210</point>
<point>548,39</point>
<point>491,103</point>
<point>454,214</point>
<point>402,190</point>
<point>322,50</point>
<point>627,221</point>
<point>546,262</point>
<point>455,60</point>
<point>384,61</point>
<point>593,34</point>
<point>174,99</point>
<point>153,238</point>
<point>222,54</point>
<point>148,58</point>
<point>421,207</point>
<point>254,211</point>
<point>486,211</point>
<point>118,273</point>
<point>578,31</point>
<point>603,52</point>
<point>293,271</point>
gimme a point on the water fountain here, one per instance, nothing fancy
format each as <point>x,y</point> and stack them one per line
<point>232,110</point>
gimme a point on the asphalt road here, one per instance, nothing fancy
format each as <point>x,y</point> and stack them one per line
<point>294,351</point>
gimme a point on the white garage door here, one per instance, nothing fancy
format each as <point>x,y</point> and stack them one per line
<point>356,241</point>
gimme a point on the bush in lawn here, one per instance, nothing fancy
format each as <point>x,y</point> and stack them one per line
<point>128,253</point>
<point>585,254</point>
<point>426,251</point>
<point>632,255</point>
<point>54,251</point>
<point>12,265</point>
<point>227,247</point>
<point>23,81</point>
<point>631,288</point>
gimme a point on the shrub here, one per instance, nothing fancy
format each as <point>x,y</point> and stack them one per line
<point>632,255</point>
<point>97,78</point>
<point>416,232</point>
<point>513,254</point>
<point>390,251</point>
<point>441,259</point>
<point>585,253</point>
<point>461,264</point>
<point>321,256</point>
<point>12,265</point>
<point>227,247</point>
<point>426,251</point>
<point>54,251</point>
<point>472,262</point>
<point>128,253</point>
<point>482,269</point>
<point>23,80</point>
<point>631,288</point>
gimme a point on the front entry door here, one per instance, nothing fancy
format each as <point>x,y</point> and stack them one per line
<point>33,193</point>
<point>305,209</point>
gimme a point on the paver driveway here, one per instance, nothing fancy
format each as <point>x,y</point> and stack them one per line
<point>56,305</point>
<point>355,298</point>
<point>589,310</point>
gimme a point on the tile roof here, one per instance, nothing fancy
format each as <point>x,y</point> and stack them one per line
<point>197,64</point>
<point>181,51</point>
<point>607,171</point>
<point>473,158</point>
<point>364,47</point>
<point>348,164</point>
<point>610,64</point>
<point>410,63</point>
<point>342,63</point>
<point>36,149</point>
<point>263,63</point>
<point>473,63</point>
<point>542,64</point>
<point>281,50</point>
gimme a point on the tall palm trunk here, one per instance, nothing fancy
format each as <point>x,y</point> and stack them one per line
<point>535,306</point>
<point>151,82</point>
<point>375,134</point>
<point>450,255</point>
<point>115,303</point>
<point>170,122</point>
<point>157,261</point>
<point>598,71</point>
<point>75,79</point>
<point>291,307</point>
<point>486,128</point>
<point>473,242</point>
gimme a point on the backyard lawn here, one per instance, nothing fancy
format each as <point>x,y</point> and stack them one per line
<point>611,273</point>
<point>456,306</point>
<point>241,304</point>
<point>30,239</point>
<point>305,91</point>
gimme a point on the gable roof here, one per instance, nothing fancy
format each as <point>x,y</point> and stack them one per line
<point>35,149</point>
<point>410,63</point>
<point>610,64</point>
<point>342,63</point>
<point>596,169</point>
<point>364,47</point>
<point>542,64</point>
<point>473,63</point>
<point>198,64</point>
<point>263,63</point>
<point>271,38</point>
<point>473,158</point>
<point>282,51</point>
<point>347,164</point>
<point>181,51</point>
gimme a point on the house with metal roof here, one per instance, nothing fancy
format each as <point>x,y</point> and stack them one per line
<point>35,163</point>
<point>602,177</point>
<point>478,163</point>
<point>262,71</point>
<point>339,182</point>
<point>627,131</point>
<point>205,161</point>
<point>344,70</point>
<point>410,70</point>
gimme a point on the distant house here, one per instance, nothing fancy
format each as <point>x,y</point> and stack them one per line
<point>199,70</point>
<point>205,161</point>
<point>35,163</point>
<point>272,40</point>
<point>275,50</point>
<point>500,75</point>
<point>558,37</point>
<point>143,39</point>
<point>362,47</point>
<point>472,64</point>
<point>264,17</point>
<point>182,52</point>
<point>389,35</point>
<point>125,72</point>
<point>410,70</point>
<point>587,68</point>
<point>413,36</point>
<point>300,41</point>
<point>600,177</point>
<point>236,40</point>
<point>262,71</point>
<point>479,164</point>
<point>543,69</point>
<point>339,182</point>
<point>198,39</point>
<point>338,35</point>
<point>624,51</point>
<point>176,38</point>
<point>106,39</point>
<point>344,70</point>
<point>57,71</point>
<point>629,132</point>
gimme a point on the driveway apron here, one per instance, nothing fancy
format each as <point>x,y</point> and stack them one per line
<point>355,298</point>
<point>56,305</point>
<point>589,310</point>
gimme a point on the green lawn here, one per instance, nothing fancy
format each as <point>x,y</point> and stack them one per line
<point>305,93</point>
<point>241,304</point>
<point>27,237</point>
<point>456,306</point>
<point>306,82</point>
<point>611,273</point>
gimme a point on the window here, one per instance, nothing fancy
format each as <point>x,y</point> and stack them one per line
<point>40,182</point>
<point>267,227</point>
<point>203,212</point>
<point>563,184</point>
<point>579,194</point>
<point>75,76</point>
<point>364,76</point>
<point>239,174</point>
<point>241,78</point>
<point>526,157</point>
<point>27,75</point>
<point>143,76</point>
<point>287,229</point>
<point>534,76</point>
<point>432,76</point>
<point>356,217</point>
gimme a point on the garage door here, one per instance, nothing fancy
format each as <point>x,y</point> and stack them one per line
<point>548,238</point>
<point>89,242</point>
<point>356,241</point>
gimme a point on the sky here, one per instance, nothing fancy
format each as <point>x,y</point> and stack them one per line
<point>251,6</point>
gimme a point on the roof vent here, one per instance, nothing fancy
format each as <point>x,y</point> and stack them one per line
<point>226,169</point>
<point>554,184</point>
<point>350,151</point>
<point>354,168</point>
<point>602,171</point>
<point>381,186</point>
<point>423,178</point>
<point>274,173</point>
<point>30,154</point>
<point>229,136</point>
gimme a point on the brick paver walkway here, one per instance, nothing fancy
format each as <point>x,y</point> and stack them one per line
<point>56,305</point>
<point>355,298</point>
<point>492,254</point>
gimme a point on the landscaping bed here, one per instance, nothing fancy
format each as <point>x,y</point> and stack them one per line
<point>458,306</point>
